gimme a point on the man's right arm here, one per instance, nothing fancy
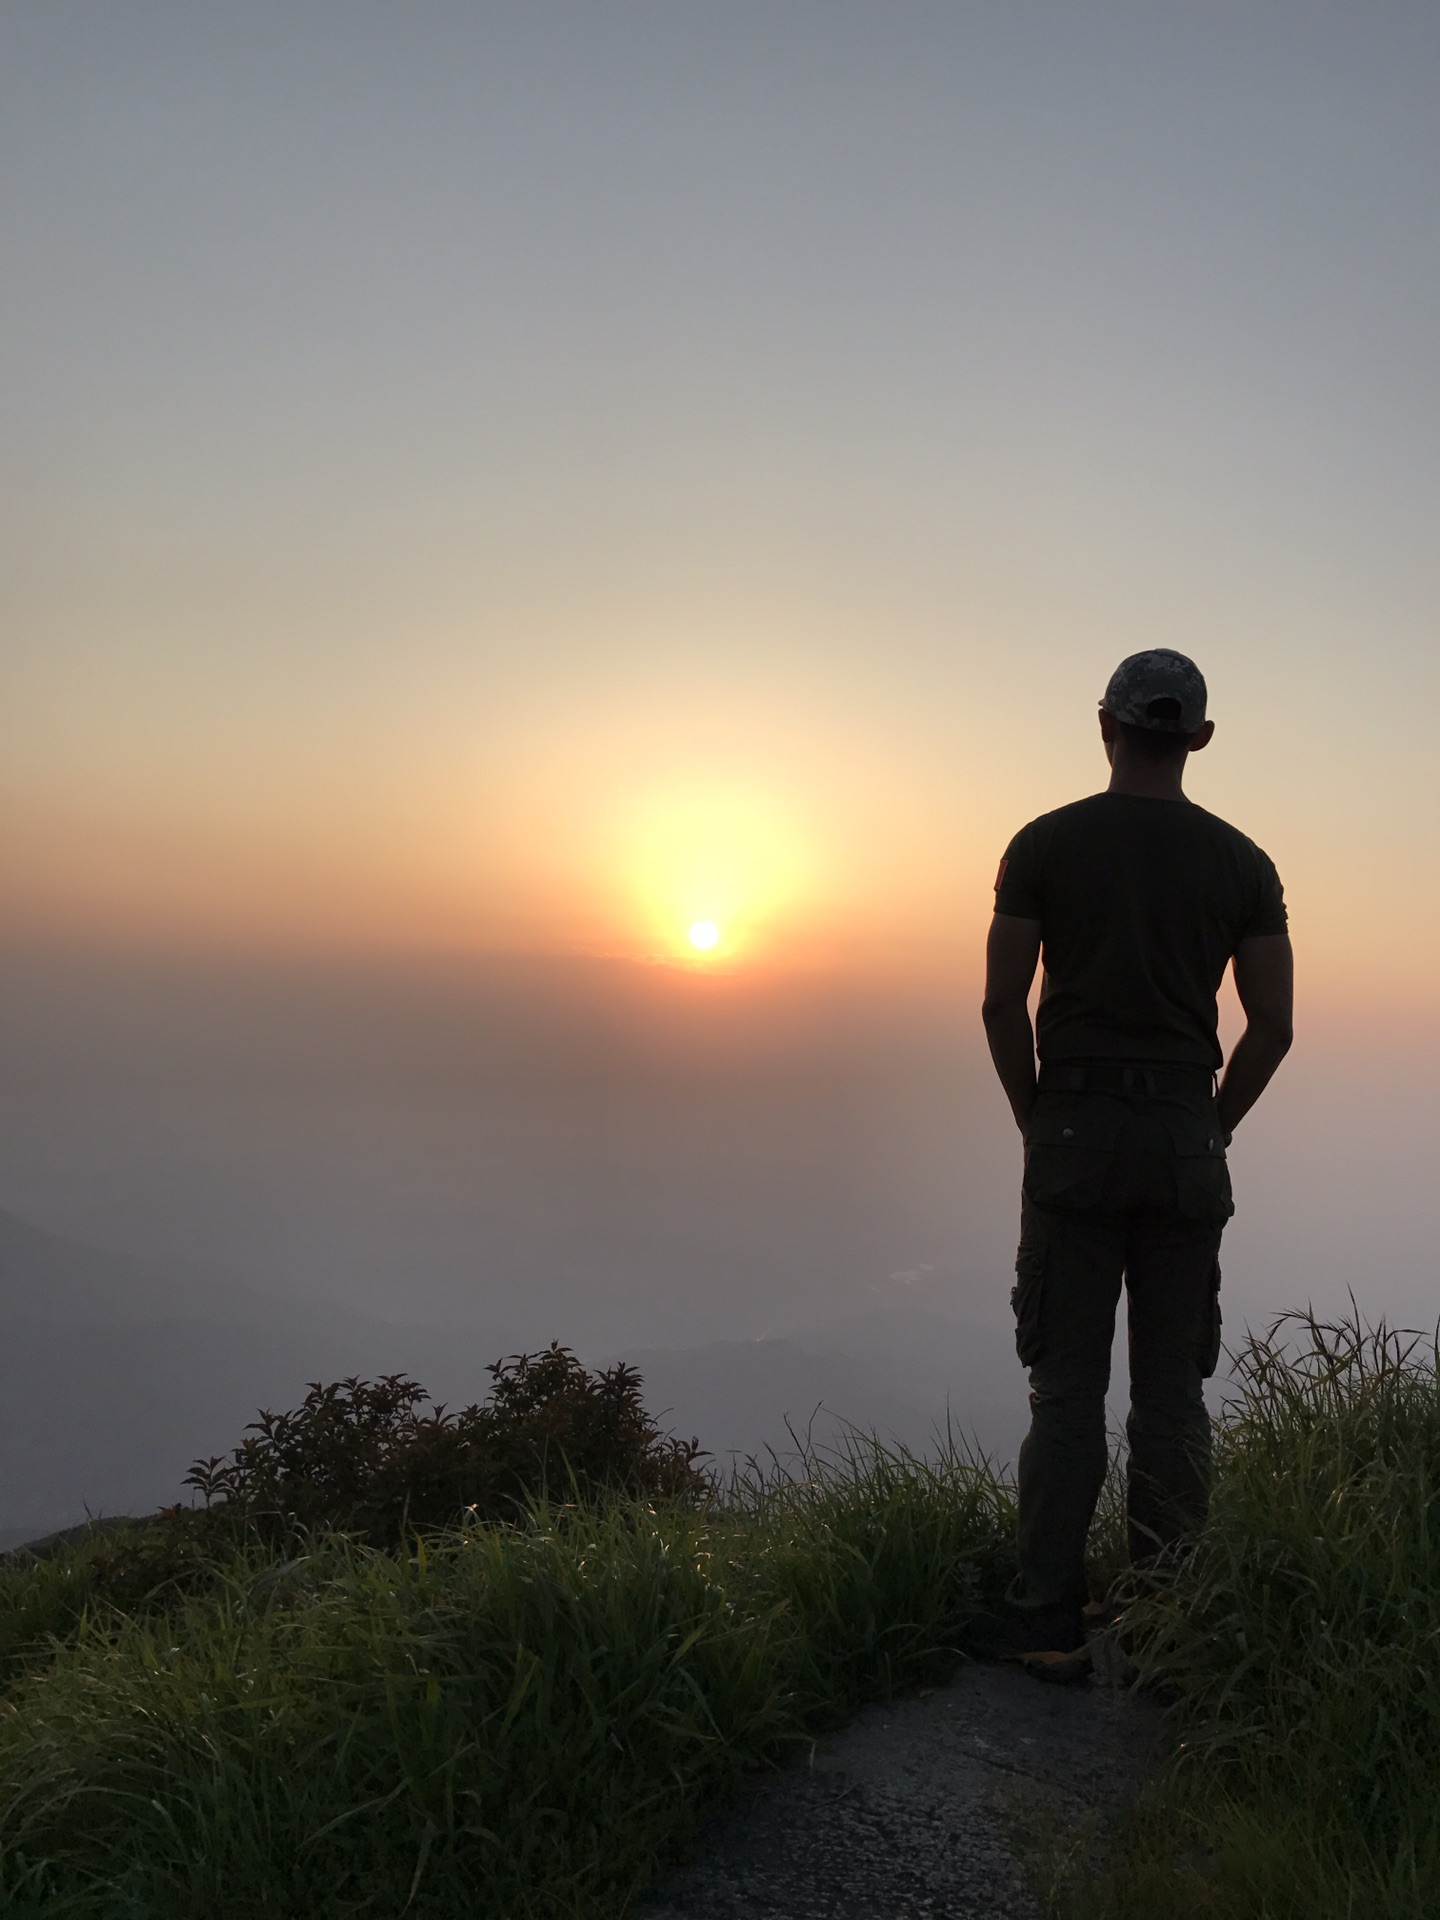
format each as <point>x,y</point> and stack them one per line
<point>1265,982</point>
<point>1011,956</point>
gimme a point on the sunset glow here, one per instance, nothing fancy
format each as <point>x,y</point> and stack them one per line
<point>704,934</point>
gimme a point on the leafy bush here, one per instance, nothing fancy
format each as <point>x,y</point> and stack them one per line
<point>366,1457</point>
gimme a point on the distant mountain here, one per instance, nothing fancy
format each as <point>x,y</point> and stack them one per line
<point>113,1377</point>
<point>903,1371</point>
<point>46,1280</point>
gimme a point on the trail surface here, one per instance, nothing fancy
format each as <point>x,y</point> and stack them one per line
<point>916,1807</point>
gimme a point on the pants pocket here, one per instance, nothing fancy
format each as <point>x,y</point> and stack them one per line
<point>1208,1357</point>
<point>1070,1146</point>
<point>1027,1295</point>
<point>1202,1178</point>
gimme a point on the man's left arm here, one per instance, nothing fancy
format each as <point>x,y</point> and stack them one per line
<point>1265,981</point>
<point>1011,956</point>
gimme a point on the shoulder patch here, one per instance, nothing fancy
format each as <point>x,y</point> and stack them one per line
<point>1001,874</point>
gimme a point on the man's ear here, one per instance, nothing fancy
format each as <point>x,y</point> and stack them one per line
<point>1107,727</point>
<point>1202,736</point>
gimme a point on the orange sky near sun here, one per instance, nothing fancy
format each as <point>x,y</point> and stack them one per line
<point>842,836</point>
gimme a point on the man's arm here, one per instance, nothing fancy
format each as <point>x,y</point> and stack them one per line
<point>1011,954</point>
<point>1265,981</point>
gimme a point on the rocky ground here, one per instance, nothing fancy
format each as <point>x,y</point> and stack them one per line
<point>960,1803</point>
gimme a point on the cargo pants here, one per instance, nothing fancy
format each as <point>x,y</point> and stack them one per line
<point>1125,1180</point>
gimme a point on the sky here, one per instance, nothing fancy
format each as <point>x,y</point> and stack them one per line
<point>487,488</point>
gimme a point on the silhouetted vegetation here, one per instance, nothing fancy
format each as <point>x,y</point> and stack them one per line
<point>528,1714</point>
<point>372,1457</point>
<point>525,1719</point>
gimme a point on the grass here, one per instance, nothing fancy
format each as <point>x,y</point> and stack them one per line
<point>529,1721</point>
<point>519,1721</point>
<point>41,1601</point>
<point>1299,1648</point>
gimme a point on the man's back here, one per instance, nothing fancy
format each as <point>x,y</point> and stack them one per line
<point>1142,903</point>
<point>1138,900</point>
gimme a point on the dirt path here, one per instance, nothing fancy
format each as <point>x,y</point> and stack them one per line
<point>914,1808</point>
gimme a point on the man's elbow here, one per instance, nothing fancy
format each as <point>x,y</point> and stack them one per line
<point>996,1008</point>
<point>1275,1030</point>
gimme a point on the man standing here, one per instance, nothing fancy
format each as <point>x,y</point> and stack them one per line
<point>1138,900</point>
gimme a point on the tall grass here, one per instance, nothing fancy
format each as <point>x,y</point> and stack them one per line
<point>1299,1644</point>
<point>521,1721</point>
<point>528,1721</point>
<point>41,1600</point>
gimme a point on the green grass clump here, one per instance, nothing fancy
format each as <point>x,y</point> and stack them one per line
<point>42,1600</point>
<point>1299,1644</point>
<point>520,1720</point>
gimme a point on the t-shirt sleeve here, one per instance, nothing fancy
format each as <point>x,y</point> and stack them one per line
<point>1017,885</point>
<point>1269,914</point>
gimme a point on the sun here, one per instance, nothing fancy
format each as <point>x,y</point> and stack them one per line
<point>711,872</point>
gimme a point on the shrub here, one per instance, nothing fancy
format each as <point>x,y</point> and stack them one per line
<point>368,1458</point>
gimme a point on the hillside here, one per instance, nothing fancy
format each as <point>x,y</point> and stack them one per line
<point>115,1376</point>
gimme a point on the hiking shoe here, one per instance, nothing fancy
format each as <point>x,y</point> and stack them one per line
<point>1022,1633</point>
<point>1060,1669</point>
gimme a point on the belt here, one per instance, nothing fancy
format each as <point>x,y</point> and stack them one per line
<point>1123,1076</point>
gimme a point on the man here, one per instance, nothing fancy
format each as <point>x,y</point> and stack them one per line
<point>1138,900</point>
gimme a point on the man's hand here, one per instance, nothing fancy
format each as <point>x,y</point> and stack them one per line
<point>1011,955</point>
<point>1265,982</point>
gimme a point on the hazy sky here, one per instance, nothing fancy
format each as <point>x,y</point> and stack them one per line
<point>525,478</point>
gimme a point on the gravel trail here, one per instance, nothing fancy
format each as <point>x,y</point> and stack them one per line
<point>912,1810</point>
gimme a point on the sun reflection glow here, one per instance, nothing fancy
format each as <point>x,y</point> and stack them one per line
<point>704,934</point>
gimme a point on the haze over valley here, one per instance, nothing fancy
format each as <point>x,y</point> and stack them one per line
<point>790,1202</point>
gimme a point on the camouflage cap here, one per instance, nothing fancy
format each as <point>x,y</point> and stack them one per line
<point>1160,689</point>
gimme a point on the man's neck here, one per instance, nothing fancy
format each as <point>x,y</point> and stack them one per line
<point>1148,779</point>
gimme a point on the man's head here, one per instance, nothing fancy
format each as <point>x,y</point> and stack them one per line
<point>1154,708</point>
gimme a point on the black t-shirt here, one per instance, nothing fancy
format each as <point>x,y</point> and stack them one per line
<point>1141,905</point>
